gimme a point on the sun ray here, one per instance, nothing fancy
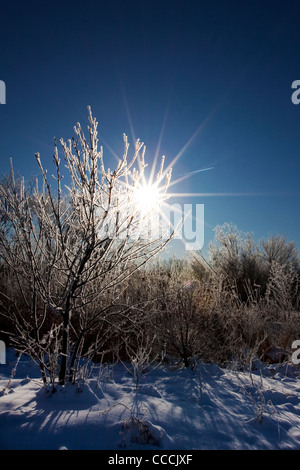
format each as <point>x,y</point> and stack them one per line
<point>115,155</point>
<point>156,155</point>
<point>187,175</point>
<point>193,137</point>
<point>127,108</point>
<point>250,194</point>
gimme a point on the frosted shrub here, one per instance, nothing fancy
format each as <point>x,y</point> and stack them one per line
<point>140,431</point>
<point>70,249</point>
<point>141,354</point>
<point>282,286</point>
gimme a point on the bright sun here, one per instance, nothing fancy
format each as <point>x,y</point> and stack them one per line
<point>147,197</point>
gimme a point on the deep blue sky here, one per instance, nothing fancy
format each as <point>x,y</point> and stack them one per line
<point>222,68</point>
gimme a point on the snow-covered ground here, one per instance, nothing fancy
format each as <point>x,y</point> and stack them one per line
<point>173,409</point>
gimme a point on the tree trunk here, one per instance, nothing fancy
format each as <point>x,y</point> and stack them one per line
<point>44,376</point>
<point>72,369</point>
<point>65,344</point>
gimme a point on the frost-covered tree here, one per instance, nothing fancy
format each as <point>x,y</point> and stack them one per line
<point>69,248</point>
<point>248,265</point>
<point>235,255</point>
<point>277,249</point>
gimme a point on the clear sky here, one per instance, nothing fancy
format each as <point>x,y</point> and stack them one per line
<point>208,82</point>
